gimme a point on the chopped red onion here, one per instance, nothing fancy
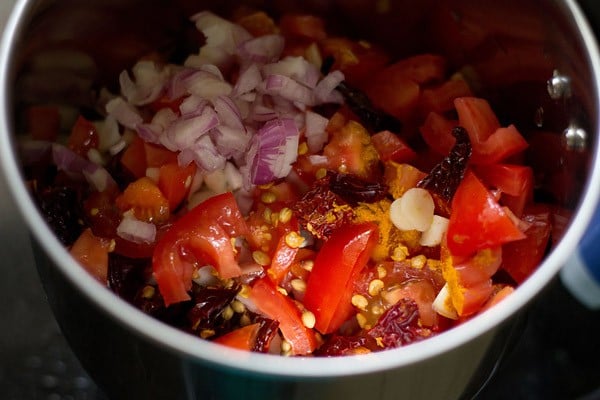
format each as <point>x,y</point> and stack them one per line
<point>248,80</point>
<point>136,231</point>
<point>125,113</point>
<point>230,142</point>
<point>207,85</point>
<point>228,112</point>
<point>183,133</point>
<point>148,86</point>
<point>296,68</point>
<point>276,148</point>
<point>79,167</point>
<point>316,136</point>
<point>325,90</point>
<point>204,153</point>
<point>289,89</point>
<point>262,49</point>
<point>192,106</point>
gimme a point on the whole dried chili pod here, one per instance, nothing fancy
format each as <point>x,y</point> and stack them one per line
<point>445,177</point>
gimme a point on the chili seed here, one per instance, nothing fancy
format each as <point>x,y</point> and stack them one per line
<point>381,272</point>
<point>282,290</point>
<point>359,301</point>
<point>285,215</point>
<point>302,148</point>
<point>286,347</point>
<point>267,214</point>
<point>261,258</point>
<point>238,306</point>
<point>307,264</point>
<point>298,285</point>
<point>362,321</point>
<point>206,333</point>
<point>308,319</point>
<point>294,240</point>
<point>148,292</point>
<point>268,197</point>
<point>227,313</point>
<point>399,253</point>
<point>245,320</point>
<point>418,261</point>
<point>375,287</point>
<point>321,173</point>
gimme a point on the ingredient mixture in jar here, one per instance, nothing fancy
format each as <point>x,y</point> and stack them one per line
<point>288,191</point>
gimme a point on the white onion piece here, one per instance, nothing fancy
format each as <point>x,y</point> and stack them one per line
<point>207,85</point>
<point>288,89</point>
<point>183,133</point>
<point>316,136</point>
<point>262,49</point>
<point>228,112</point>
<point>443,304</point>
<point>230,142</point>
<point>206,276</point>
<point>274,149</point>
<point>117,147</point>
<point>433,236</point>
<point>414,210</point>
<point>192,106</point>
<point>148,85</point>
<point>296,68</point>
<point>136,231</point>
<point>248,80</point>
<point>125,113</point>
<point>204,153</point>
<point>325,90</point>
<point>108,133</point>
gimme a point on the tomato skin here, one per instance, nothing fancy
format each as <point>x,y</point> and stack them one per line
<point>242,338</point>
<point>522,257</point>
<point>477,221</point>
<point>514,181</point>
<point>437,133</point>
<point>477,117</point>
<point>282,308</point>
<point>391,148</point>
<point>174,182</point>
<point>305,27</point>
<point>133,158</point>
<point>337,265</point>
<point>441,98</point>
<point>83,137</point>
<point>204,232</point>
<point>421,68</point>
<point>146,200</point>
<point>92,253</point>
<point>394,93</point>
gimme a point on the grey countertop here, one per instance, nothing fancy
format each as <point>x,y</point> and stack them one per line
<point>556,357</point>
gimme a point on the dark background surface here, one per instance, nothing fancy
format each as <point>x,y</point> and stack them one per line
<point>556,357</point>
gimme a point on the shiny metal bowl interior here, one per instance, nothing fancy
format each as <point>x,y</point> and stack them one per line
<point>64,51</point>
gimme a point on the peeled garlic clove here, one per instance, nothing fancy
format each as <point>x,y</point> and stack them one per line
<point>443,304</point>
<point>413,211</point>
<point>433,236</point>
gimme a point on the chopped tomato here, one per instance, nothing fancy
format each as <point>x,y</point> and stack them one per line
<point>401,177</point>
<point>503,143</point>
<point>92,253</point>
<point>514,181</point>
<point>498,295</point>
<point>84,136</point>
<point>257,23</point>
<point>394,93</point>
<point>420,68</point>
<point>133,158</point>
<point>391,148</point>
<point>43,122</point>
<point>203,235</point>
<point>522,257</point>
<point>146,201</point>
<point>350,151</point>
<point>477,221</point>
<point>477,117</point>
<point>174,182</point>
<point>337,265</point>
<point>441,97</point>
<point>302,26</point>
<point>242,338</point>
<point>283,309</point>
<point>157,155</point>
<point>359,61</point>
<point>469,278</point>
<point>437,133</point>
